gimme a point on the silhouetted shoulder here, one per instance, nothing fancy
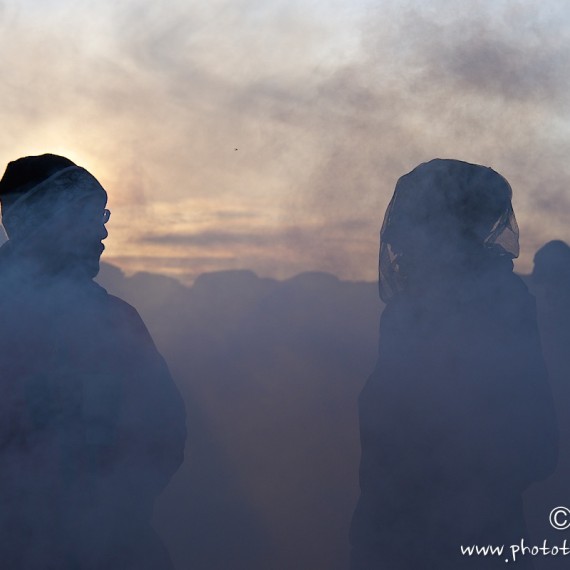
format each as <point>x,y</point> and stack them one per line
<point>125,310</point>
<point>128,317</point>
<point>516,301</point>
<point>519,286</point>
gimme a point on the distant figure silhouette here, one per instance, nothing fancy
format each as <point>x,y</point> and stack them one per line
<point>550,282</point>
<point>91,425</point>
<point>456,419</point>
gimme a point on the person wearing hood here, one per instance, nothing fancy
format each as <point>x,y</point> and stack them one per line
<point>457,419</point>
<point>92,426</point>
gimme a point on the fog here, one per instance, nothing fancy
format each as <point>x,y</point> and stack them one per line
<point>249,151</point>
<point>270,372</point>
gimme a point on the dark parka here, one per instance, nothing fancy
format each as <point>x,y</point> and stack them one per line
<point>92,426</point>
<point>457,419</point>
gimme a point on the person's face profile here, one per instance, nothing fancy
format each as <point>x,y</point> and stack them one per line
<point>78,229</point>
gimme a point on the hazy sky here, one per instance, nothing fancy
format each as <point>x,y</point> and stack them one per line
<point>327,101</point>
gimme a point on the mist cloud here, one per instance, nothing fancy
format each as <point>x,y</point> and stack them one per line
<point>327,105</point>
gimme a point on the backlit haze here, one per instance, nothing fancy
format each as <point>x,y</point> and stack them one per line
<point>269,134</point>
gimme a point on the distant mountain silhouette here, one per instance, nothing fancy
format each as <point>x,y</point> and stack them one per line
<point>270,372</point>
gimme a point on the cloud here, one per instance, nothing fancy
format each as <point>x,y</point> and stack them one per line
<point>328,104</point>
<point>206,238</point>
<point>516,51</point>
<point>487,85</point>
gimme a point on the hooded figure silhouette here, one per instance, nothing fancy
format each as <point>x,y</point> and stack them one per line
<point>550,283</point>
<point>457,419</point>
<point>92,426</point>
